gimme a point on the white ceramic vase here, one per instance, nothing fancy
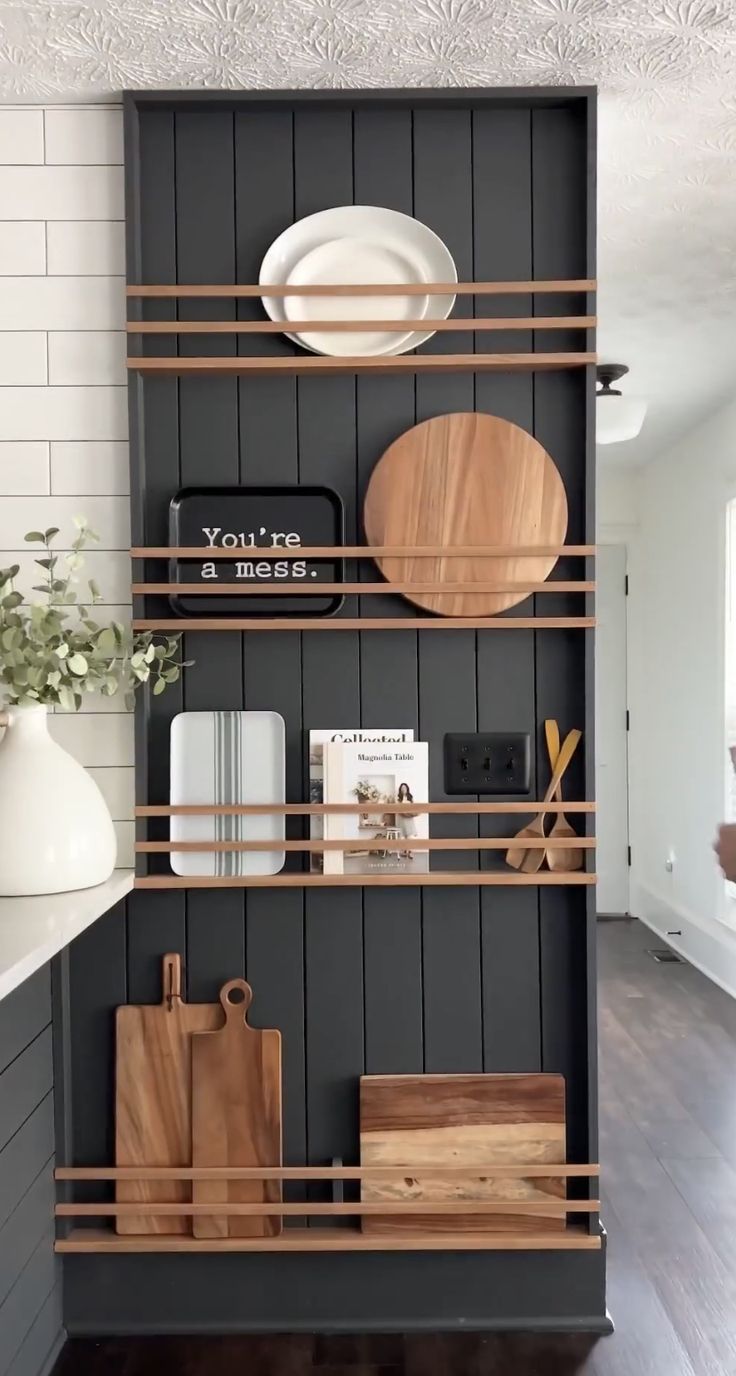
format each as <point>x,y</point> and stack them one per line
<point>56,832</point>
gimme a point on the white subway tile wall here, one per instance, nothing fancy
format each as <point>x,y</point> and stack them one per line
<point>63,401</point>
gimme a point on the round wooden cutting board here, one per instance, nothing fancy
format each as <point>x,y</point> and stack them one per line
<point>466,479</point>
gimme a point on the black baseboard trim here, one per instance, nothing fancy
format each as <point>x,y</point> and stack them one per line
<point>573,1323</point>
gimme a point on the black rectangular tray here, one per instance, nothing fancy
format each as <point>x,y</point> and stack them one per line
<point>216,517</point>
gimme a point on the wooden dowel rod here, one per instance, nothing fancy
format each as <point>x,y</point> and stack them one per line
<point>540,1208</point>
<point>333,552</point>
<point>454,323</point>
<point>323,809</point>
<point>438,1172</point>
<point>370,844</point>
<point>367,623</point>
<point>250,589</point>
<point>223,289</point>
<point>451,879</point>
<point>361,363</point>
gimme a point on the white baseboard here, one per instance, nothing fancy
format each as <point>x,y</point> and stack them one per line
<point>711,952</point>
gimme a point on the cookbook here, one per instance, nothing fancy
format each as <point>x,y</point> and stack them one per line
<point>356,735</point>
<point>380,777</point>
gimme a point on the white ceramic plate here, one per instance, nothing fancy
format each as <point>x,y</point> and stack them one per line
<point>227,757</point>
<point>353,260</point>
<point>370,241</point>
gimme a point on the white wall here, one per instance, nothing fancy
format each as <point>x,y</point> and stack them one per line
<point>677,754</point>
<point>63,408</point>
<point>616,501</point>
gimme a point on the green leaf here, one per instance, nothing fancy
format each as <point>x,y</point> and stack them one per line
<point>159,686</point>
<point>34,537</point>
<point>107,642</point>
<point>94,588</point>
<point>50,533</point>
<point>13,599</point>
<point>43,563</point>
<point>77,664</point>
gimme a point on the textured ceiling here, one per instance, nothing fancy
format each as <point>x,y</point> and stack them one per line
<point>666,70</point>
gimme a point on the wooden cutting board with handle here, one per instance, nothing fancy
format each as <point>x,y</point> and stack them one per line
<point>236,1115</point>
<point>466,479</point>
<point>462,1120</point>
<point>153,1096</point>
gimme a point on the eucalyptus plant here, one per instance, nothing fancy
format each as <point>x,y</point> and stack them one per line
<point>54,651</point>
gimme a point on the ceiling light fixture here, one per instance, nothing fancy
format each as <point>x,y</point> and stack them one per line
<point>617,418</point>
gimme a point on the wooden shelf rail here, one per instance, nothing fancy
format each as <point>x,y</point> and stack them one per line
<point>322,809</point>
<point>252,589</point>
<point>542,1208</point>
<point>297,1239</point>
<point>365,623</point>
<point>505,1171</point>
<point>457,324</point>
<point>370,844</point>
<point>333,552</point>
<point>339,366</point>
<point>225,291</point>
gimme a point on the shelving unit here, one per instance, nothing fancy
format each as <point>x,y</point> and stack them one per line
<point>435,878</point>
<point>480,969</point>
<point>403,363</point>
<point>340,1238</point>
<point>331,553</point>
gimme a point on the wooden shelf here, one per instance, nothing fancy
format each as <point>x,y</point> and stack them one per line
<point>332,1240</point>
<point>365,623</point>
<point>390,363</point>
<point>436,879</point>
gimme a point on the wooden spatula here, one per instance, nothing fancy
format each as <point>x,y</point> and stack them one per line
<point>520,856</point>
<point>559,858</point>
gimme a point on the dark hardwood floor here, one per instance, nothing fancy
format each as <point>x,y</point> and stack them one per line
<point>668,1149</point>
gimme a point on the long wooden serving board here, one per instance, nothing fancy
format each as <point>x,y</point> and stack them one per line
<point>236,1115</point>
<point>153,1071</point>
<point>462,1120</point>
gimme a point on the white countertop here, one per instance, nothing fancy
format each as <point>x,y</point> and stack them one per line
<point>32,930</point>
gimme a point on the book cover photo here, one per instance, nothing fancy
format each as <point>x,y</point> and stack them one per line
<point>378,776</point>
<point>389,735</point>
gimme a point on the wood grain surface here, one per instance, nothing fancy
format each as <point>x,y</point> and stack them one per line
<point>153,1096</point>
<point>236,1115</point>
<point>443,1120</point>
<point>465,479</point>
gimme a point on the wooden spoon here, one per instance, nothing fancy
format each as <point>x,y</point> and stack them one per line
<point>521,857</point>
<point>559,858</point>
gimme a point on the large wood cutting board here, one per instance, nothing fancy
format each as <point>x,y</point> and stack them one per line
<point>462,1120</point>
<point>236,1115</point>
<point>153,1096</point>
<point>466,479</point>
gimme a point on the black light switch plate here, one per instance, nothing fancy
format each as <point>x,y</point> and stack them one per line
<point>492,762</point>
